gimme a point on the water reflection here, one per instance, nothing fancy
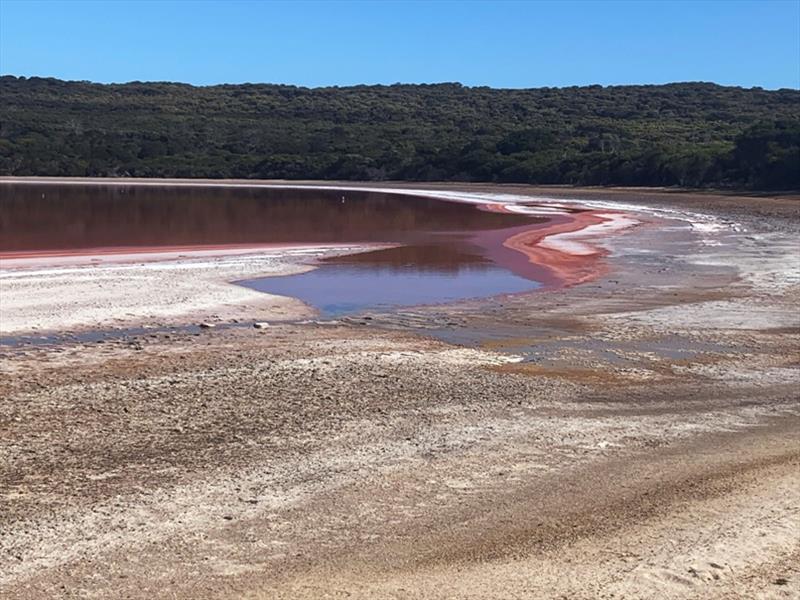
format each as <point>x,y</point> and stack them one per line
<point>49,217</point>
<point>338,289</point>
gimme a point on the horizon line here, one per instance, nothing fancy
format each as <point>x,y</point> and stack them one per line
<point>395,84</point>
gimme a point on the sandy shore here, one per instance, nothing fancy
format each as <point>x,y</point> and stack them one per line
<point>631,437</point>
<point>73,292</point>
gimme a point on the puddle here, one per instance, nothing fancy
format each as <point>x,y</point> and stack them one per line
<point>544,346</point>
<point>98,336</point>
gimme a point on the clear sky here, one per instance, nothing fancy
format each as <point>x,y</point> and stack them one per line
<point>499,44</point>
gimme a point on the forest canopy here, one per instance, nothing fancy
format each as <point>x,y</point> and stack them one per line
<point>684,134</point>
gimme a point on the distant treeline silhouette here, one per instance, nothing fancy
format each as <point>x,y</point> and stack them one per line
<point>684,134</point>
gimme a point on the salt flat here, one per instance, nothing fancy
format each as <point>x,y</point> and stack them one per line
<point>634,435</point>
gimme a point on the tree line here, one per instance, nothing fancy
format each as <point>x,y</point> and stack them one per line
<point>683,134</point>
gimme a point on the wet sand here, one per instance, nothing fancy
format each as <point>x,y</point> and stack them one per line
<point>634,436</point>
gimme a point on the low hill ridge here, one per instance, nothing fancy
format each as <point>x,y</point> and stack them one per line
<point>689,134</point>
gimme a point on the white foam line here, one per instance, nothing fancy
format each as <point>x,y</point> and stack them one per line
<point>570,242</point>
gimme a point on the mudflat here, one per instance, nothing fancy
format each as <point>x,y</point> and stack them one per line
<point>633,436</point>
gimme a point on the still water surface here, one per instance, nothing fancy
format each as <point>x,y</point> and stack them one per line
<point>384,279</point>
<point>445,250</point>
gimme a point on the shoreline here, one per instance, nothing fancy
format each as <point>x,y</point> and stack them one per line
<point>724,192</point>
<point>567,252</point>
<point>138,254</point>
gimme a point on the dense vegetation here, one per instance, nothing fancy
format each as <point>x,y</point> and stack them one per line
<point>688,134</point>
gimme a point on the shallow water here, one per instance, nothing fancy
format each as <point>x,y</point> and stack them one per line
<point>345,285</point>
<point>444,250</point>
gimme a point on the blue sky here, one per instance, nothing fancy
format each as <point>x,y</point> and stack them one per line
<point>499,44</point>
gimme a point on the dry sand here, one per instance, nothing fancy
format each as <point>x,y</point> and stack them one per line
<point>633,437</point>
<point>47,293</point>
